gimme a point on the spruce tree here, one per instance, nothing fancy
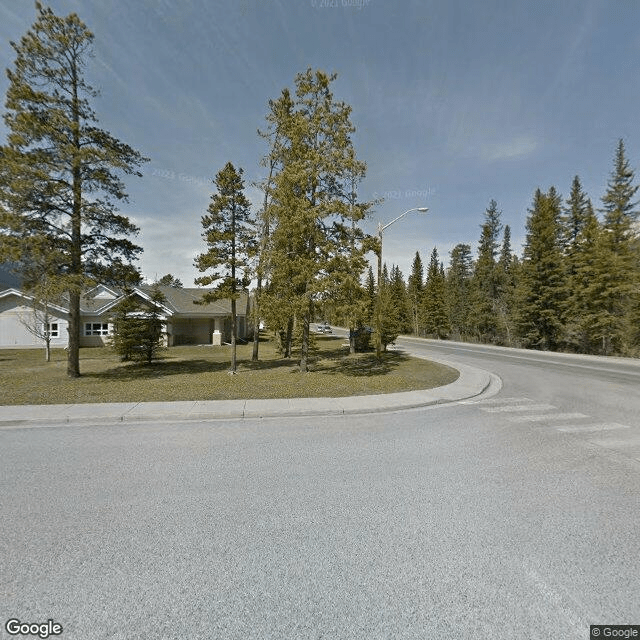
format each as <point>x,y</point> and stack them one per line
<point>138,327</point>
<point>576,215</point>
<point>389,313</point>
<point>415,287</point>
<point>127,327</point>
<point>585,318</point>
<point>542,284</point>
<point>505,289</point>
<point>621,298</point>
<point>370,294</point>
<point>434,309</point>
<point>230,234</point>
<point>619,208</point>
<point>59,172</point>
<point>485,284</point>
<point>398,290</point>
<point>458,287</point>
<point>576,248</point>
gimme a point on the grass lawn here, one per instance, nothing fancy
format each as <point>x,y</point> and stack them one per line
<point>201,373</point>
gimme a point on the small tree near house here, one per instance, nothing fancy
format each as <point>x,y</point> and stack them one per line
<point>37,264</point>
<point>39,323</point>
<point>138,328</point>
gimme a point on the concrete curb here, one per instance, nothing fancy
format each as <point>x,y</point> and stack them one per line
<point>471,382</point>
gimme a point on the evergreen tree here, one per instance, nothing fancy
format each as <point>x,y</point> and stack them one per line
<point>59,172</point>
<point>310,212</point>
<point>139,327</point>
<point>415,287</point>
<point>575,218</point>
<point>229,231</point>
<point>485,280</point>
<point>621,298</point>
<point>434,309</point>
<point>585,320</point>
<point>279,114</point>
<point>505,289</point>
<point>398,291</point>
<point>127,327</point>
<point>153,326</point>
<point>389,314</point>
<point>619,208</point>
<point>170,281</point>
<point>576,247</point>
<point>370,293</point>
<point>542,285</point>
<point>458,287</point>
<point>346,265</point>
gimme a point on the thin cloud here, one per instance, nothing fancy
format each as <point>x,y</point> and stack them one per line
<point>517,147</point>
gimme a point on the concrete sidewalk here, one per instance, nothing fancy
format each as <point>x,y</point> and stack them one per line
<point>471,382</point>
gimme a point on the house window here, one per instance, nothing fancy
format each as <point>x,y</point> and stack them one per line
<point>51,329</point>
<point>96,329</point>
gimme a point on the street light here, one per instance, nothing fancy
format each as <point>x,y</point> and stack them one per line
<point>381,228</point>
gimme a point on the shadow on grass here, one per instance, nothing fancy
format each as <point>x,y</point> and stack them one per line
<point>362,364</point>
<point>326,361</point>
<point>166,368</point>
<point>158,369</point>
<point>262,365</point>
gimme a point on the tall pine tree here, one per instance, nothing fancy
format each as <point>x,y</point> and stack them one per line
<point>485,285</point>
<point>458,287</point>
<point>415,287</point>
<point>311,215</point>
<point>230,234</point>
<point>434,308</point>
<point>505,289</point>
<point>59,172</point>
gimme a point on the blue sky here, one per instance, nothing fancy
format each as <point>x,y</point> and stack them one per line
<point>455,103</point>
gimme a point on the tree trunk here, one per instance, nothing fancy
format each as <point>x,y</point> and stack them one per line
<point>304,350</point>
<point>73,357</point>
<point>234,335</point>
<point>256,322</point>
<point>289,338</point>
<point>263,241</point>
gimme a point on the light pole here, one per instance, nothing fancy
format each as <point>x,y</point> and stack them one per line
<point>381,228</point>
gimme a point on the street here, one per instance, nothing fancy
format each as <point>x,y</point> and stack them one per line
<point>513,515</point>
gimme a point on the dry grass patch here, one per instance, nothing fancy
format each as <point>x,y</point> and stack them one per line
<point>201,373</point>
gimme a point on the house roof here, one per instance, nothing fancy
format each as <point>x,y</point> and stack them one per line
<point>54,306</point>
<point>179,301</point>
<point>183,301</point>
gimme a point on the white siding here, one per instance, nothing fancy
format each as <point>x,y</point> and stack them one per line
<point>15,315</point>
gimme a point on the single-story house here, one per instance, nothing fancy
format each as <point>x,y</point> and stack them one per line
<point>186,322</point>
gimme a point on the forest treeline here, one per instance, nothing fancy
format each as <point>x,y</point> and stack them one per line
<point>575,287</point>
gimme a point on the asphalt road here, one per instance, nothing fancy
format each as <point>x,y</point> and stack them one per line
<point>511,516</point>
